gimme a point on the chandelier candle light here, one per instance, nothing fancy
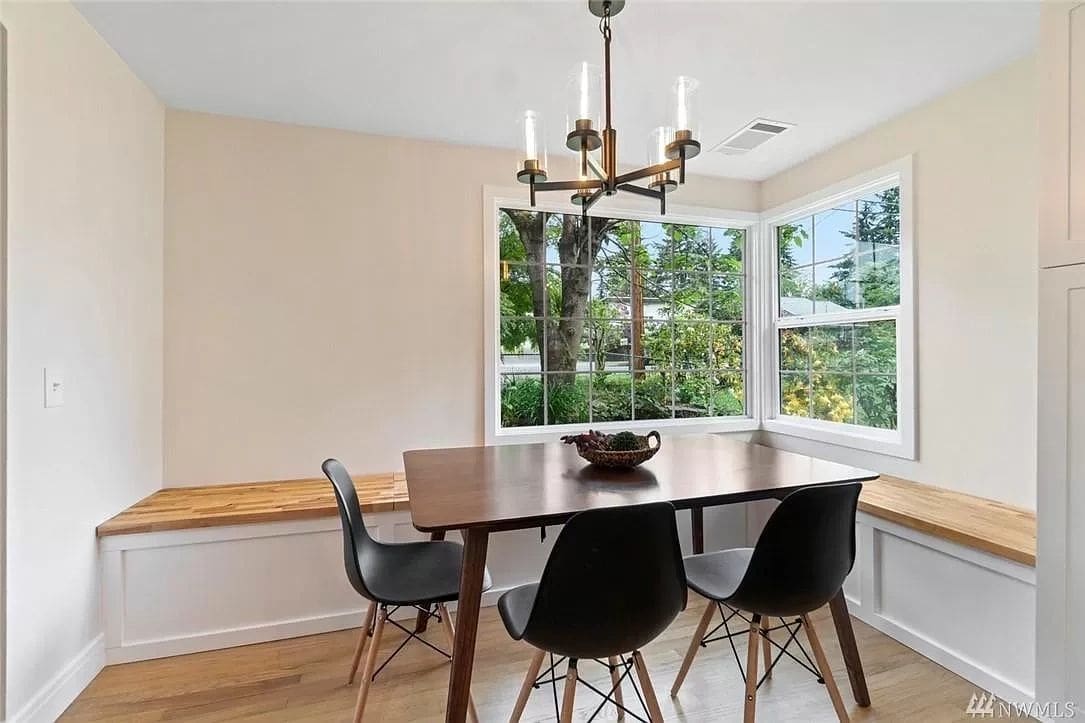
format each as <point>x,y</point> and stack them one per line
<point>669,147</point>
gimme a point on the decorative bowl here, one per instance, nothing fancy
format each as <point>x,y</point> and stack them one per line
<point>626,459</point>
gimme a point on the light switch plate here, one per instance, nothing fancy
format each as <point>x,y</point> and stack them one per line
<point>54,388</point>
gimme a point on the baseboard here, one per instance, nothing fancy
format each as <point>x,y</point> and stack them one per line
<point>251,634</point>
<point>56,695</point>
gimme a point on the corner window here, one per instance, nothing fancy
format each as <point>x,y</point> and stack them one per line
<point>797,321</point>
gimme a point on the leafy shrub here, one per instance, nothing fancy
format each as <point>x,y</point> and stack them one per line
<point>521,402</point>
<point>568,401</point>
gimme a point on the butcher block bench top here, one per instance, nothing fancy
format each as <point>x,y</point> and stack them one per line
<point>183,508</point>
<point>976,522</point>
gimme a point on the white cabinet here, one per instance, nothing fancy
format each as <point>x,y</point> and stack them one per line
<point>1060,664</point>
<point>1062,134</point>
<point>1060,571</point>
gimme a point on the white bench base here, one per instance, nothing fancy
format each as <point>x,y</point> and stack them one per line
<point>185,591</point>
<point>969,611</point>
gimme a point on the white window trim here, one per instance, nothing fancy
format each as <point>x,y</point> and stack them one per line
<point>762,382</point>
<point>897,443</point>
<point>496,197</point>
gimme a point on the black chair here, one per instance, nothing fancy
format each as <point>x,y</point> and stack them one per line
<point>799,563</point>
<point>414,574</point>
<point>614,581</point>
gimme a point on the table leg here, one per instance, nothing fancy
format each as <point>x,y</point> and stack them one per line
<point>696,518</point>
<point>846,637</point>
<point>422,621</point>
<point>463,651</point>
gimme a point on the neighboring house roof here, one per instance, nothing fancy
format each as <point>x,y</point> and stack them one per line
<point>798,306</point>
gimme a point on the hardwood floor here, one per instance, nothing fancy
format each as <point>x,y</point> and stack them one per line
<point>304,679</point>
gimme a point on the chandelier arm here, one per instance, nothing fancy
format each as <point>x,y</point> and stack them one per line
<point>647,171</point>
<point>590,201</point>
<point>583,185</point>
<point>650,193</point>
<point>597,169</point>
<point>640,190</point>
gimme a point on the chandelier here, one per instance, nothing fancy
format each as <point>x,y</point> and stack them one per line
<point>669,147</point>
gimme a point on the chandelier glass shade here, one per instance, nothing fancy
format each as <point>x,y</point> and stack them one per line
<point>591,135</point>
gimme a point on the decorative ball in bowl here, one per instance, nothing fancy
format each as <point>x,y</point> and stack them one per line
<point>623,450</point>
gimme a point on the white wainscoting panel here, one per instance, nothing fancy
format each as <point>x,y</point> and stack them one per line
<point>178,592</point>
<point>967,610</point>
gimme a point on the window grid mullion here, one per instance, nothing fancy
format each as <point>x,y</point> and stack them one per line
<point>544,364</point>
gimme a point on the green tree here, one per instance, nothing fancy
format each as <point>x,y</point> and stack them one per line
<point>578,243</point>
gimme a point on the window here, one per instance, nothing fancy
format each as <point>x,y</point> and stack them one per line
<point>797,321</point>
<point>841,318</point>
<point>617,320</point>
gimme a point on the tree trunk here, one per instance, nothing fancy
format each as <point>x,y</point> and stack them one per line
<point>577,249</point>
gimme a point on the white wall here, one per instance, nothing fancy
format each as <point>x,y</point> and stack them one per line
<point>324,294</point>
<point>85,295</point>
<point>975,186</point>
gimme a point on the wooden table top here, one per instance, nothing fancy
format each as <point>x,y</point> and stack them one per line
<point>522,485</point>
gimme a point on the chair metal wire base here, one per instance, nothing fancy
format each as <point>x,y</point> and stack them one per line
<point>410,634</point>
<point>550,677</point>
<point>728,613</point>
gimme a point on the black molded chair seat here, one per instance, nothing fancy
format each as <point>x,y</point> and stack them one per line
<point>418,574</point>
<point>515,608</point>
<point>801,559</point>
<point>716,575</point>
<point>414,573</point>
<point>613,583</point>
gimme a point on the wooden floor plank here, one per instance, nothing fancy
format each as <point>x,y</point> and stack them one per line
<point>303,680</point>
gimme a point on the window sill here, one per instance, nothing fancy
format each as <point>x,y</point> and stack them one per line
<point>880,441</point>
<point>551,433</point>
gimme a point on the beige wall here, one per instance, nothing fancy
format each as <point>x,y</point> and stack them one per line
<point>85,295</point>
<point>976,158</point>
<point>324,295</point>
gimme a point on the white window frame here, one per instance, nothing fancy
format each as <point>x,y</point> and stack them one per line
<point>900,442</point>
<point>495,198</point>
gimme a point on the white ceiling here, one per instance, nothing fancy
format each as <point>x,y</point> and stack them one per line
<point>464,71</point>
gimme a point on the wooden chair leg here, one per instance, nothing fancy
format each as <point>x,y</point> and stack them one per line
<point>570,693</point>
<point>361,641</point>
<point>450,632</point>
<point>654,714</point>
<point>616,684</point>
<point>370,663</point>
<point>751,671</point>
<point>826,673</point>
<point>529,683</point>
<point>766,646</point>
<point>694,646</point>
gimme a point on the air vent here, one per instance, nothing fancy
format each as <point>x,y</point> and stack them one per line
<point>751,136</point>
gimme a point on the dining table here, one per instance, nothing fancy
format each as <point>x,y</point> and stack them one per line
<point>486,489</point>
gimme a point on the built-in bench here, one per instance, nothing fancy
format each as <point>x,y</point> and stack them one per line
<point>976,522</point>
<point>197,568</point>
